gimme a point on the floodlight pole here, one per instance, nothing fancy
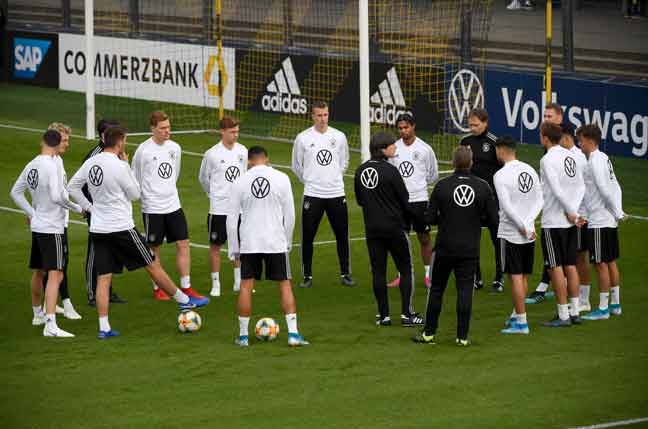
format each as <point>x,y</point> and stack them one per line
<point>363,30</point>
<point>89,69</point>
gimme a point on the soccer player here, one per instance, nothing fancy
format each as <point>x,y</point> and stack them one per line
<point>156,167</point>
<point>320,157</point>
<point>563,189</point>
<point>460,204</point>
<point>116,241</point>
<point>221,167</point>
<point>263,197</point>
<point>418,166</point>
<point>604,211</point>
<point>91,272</point>
<point>382,194</point>
<point>44,178</point>
<point>485,165</point>
<point>520,200</point>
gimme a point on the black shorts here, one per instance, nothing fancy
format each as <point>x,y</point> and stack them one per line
<point>582,239</point>
<point>172,226</point>
<point>559,246</point>
<point>418,207</point>
<point>277,266</point>
<point>49,252</point>
<point>516,258</point>
<point>604,245</point>
<point>115,250</point>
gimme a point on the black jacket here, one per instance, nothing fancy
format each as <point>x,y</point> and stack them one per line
<point>381,192</point>
<point>485,163</point>
<point>461,204</point>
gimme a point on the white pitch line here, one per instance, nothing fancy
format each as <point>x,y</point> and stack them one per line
<point>614,424</point>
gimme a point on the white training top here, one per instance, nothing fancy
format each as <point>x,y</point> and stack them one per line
<point>563,187</point>
<point>603,196</point>
<point>319,161</point>
<point>418,166</point>
<point>112,186</point>
<point>520,199</point>
<point>263,197</point>
<point>59,161</point>
<point>44,177</point>
<point>581,159</point>
<point>220,169</point>
<point>157,168</point>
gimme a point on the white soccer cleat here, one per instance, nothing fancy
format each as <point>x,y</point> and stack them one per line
<point>56,332</point>
<point>72,314</point>
<point>515,5</point>
<point>59,309</point>
<point>584,307</point>
<point>215,291</point>
<point>39,319</point>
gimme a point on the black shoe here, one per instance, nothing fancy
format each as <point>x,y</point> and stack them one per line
<point>576,320</point>
<point>497,287</point>
<point>535,298</point>
<point>414,319</point>
<point>307,283</point>
<point>92,302</point>
<point>383,322</point>
<point>116,299</point>
<point>478,284</point>
<point>346,280</point>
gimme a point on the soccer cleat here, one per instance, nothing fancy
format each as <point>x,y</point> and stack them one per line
<point>584,307</point>
<point>71,314</point>
<point>194,303</point>
<point>535,298</point>
<point>59,310</point>
<point>116,299</point>
<point>383,322</point>
<point>516,328</point>
<point>296,340</point>
<point>550,294</point>
<point>514,5</point>
<point>598,314</point>
<point>56,332</point>
<point>414,319</point>
<point>307,283</point>
<point>423,338</point>
<point>39,319</point>
<point>462,343</point>
<point>576,320</point>
<point>190,292</point>
<point>160,295</point>
<point>394,283</point>
<point>104,335</point>
<point>346,280</point>
<point>615,309</point>
<point>478,284</point>
<point>215,290</point>
<point>242,341</point>
<point>510,322</point>
<point>497,286</point>
<point>92,302</point>
<point>556,322</point>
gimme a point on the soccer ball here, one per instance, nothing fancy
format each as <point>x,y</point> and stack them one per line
<point>266,329</point>
<point>189,321</point>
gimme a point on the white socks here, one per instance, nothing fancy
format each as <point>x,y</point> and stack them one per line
<point>542,287</point>
<point>563,311</point>
<point>185,282</point>
<point>215,279</point>
<point>427,270</point>
<point>521,318</point>
<point>615,295</point>
<point>155,287</point>
<point>573,306</point>
<point>180,297</point>
<point>584,293</point>
<point>244,322</point>
<point>604,298</point>
<point>237,278</point>
<point>50,321</point>
<point>37,309</point>
<point>104,325</point>
<point>291,321</point>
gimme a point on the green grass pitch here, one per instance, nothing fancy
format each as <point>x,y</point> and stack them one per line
<point>353,375</point>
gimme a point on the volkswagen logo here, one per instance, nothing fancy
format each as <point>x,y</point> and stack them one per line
<point>32,178</point>
<point>369,178</point>
<point>463,195</point>
<point>525,182</point>
<point>406,168</point>
<point>324,157</point>
<point>260,187</point>
<point>570,166</point>
<point>165,170</point>
<point>465,93</point>
<point>95,175</point>
<point>232,173</point>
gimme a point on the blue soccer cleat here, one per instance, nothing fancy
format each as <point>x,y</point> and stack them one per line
<point>104,335</point>
<point>517,328</point>
<point>615,309</point>
<point>556,322</point>
<point>194,303</point>
<point>242,341</point>
<point>598,314</point>
<point>510,322</point>
<point>296,340</point>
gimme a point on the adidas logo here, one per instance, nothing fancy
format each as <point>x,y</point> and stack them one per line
<point>287,96</point>
<point>389,99</point>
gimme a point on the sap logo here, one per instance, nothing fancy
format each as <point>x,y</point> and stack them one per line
<point>287,95</point>
<point>28,55</point>
<point>388,102</point>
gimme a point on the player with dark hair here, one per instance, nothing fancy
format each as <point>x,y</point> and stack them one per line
<point>460,204</point>
<point>117,243</point>
<point>485,165</point>
<point>320,157</point>
<point>221,167</point>
<point>383,196</point>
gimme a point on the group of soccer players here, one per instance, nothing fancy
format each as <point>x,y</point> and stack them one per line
<point>252,209</point>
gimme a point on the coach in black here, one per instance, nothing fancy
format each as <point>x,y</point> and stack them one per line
<point>460,204</point>
<point>91,271</point>
<point>485,165</point>
<point>381,192</point>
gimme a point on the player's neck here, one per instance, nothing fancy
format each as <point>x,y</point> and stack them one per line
<point>228,145</point>
<point>410,140</point>
<point>48,151</point>
<point>157,141</point>
<point>321,128</point>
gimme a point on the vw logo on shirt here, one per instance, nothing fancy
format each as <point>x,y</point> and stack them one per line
<point>165,170</point>
<point>324,157</point>
<point>260,187</point>
<point>525,182</point>
<point>32,178</point>
<point>406,168</point>
<point>232,173</point>
<point>463,195</point>
<point>95,175</point>
<point>570,166</point>
<point>369,178</point>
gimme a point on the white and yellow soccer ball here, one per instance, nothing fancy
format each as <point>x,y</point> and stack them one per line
<point>266,329</point>
<point>189,321</point>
